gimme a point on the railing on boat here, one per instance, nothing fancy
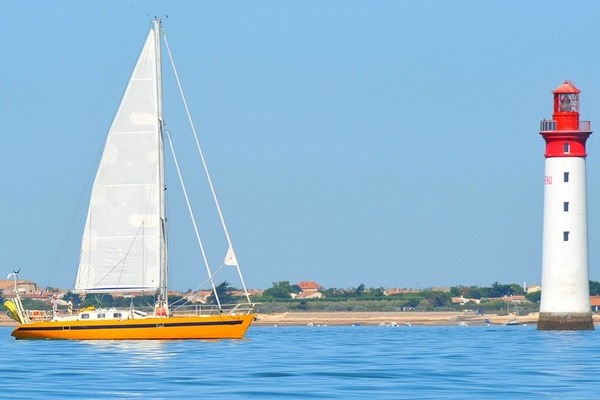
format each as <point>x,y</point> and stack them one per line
<point>183,310</point>
<point>209,309</point>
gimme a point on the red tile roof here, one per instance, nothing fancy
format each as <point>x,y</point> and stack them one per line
<point>595,300</point>
<point>309,285</point>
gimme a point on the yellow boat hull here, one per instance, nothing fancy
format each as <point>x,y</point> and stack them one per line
<point>171,328</point>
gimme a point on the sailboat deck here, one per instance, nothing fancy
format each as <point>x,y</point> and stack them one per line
<point>120,314</point>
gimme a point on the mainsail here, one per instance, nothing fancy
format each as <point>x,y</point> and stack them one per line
<point>123,239</point>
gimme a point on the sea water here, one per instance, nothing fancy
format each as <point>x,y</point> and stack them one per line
<point>312,362</point>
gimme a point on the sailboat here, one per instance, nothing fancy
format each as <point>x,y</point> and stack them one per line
<point>515,319</point>
<point>124,244</point>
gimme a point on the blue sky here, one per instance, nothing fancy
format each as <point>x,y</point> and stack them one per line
<point>393,144</point>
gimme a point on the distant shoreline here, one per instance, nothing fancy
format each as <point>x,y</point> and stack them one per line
<point>341,318</point>
<point>387,318</point>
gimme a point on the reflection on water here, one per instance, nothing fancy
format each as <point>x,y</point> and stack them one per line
<point>142,351</point>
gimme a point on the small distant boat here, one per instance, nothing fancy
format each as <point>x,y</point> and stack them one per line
<point>515,318</point>
<point>124,244</point>
<point>394,323</point>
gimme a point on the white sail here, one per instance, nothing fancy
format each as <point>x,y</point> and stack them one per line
<point>230,258</point>
<point>122,240</point>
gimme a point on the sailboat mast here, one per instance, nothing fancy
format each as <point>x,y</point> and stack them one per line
<point>163,206</point>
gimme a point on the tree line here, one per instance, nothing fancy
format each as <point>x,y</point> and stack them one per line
<point>281,295</point>
<point>284,290</point>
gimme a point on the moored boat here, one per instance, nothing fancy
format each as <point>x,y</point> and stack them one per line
<point>124,244</point>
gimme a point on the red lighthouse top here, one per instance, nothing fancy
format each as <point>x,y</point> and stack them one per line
<point>565,135</point>
<point>566,106</point>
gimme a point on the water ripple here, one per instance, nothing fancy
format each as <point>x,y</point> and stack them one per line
<point>311,362</point>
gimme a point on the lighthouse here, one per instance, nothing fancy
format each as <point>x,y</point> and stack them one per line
<point>565,301</point>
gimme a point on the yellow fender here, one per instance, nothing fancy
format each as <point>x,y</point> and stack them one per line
<point>12,311</point>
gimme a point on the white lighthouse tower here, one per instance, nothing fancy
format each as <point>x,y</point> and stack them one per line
<point>565,302</point>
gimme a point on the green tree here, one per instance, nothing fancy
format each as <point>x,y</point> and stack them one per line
<point>476,292</point>
<point>516,289</point>
<point>438,299</point>
<point>471,292</point>
<point>594,288</point>
<point>411,300</point>
<point>295,289</point>
<point>498,290</point>
<point>76,297</point>
<point>376,293</point>
<point>360,290</point>
<point>303,305</point>
<point>1,296</point>
<point>280,290</point>
<point>224,292</point>
<point>534,297</point>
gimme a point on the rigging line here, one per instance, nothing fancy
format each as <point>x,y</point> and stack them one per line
<point>199,287</point>
<point>208,177</point>
<point>69,229</point>
<point>191,212</point>
<point>121,263</point>
<point>205,166</point>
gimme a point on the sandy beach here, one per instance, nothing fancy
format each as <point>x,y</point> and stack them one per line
<point>374,318</point>
<point>377,318</point>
